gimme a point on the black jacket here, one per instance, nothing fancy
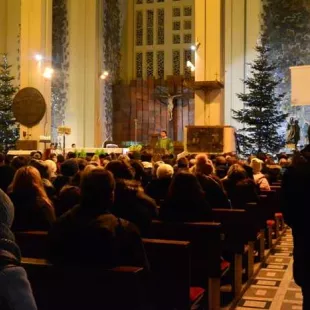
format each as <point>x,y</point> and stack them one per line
<point>90,236</point>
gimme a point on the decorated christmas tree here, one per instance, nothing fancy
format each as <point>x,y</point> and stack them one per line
<point>261,116</point>
<point>9,131</point>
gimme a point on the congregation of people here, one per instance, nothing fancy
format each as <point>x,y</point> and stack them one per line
<point>107,203</point>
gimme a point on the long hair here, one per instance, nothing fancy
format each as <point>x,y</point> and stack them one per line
<point>185,187</point>
<point>27,181</point>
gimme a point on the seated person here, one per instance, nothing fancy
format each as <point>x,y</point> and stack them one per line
<point>33,209</point>
<point>15,289</point>
<point>259,178</point>
<point>239,187</point>
<point>131,203</point>
<point>185,201</point>
<point>158,188</point>
<point>90,234</point>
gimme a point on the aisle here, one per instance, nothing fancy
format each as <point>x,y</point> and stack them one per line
<point>273,288</point>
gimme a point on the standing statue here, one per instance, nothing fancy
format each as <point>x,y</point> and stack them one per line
<point>293,132</point>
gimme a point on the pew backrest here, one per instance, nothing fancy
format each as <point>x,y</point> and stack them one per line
<point>87,287</point>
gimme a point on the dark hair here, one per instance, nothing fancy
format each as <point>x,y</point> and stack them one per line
<point>146,156</point>
<point>182,162</point>
<point>71,155</point>
<point>41,167</point>
<point>139,170</point>
<point>185,200</point>
<point>97,186</point>
<point>69,167</point>
<point>2,157</point>
<point>82,163</point>
<point>120,169</point>
<point>18,162</point>
<point>60,158</point>
<point>165,131</point>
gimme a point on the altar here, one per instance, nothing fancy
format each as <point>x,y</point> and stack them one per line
<point>94,150</point>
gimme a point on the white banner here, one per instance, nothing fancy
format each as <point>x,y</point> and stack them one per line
<point>300,79</point>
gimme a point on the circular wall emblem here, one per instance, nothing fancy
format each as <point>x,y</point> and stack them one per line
<point>29,106</point>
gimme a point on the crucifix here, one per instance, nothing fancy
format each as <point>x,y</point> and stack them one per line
<point>170,101</point>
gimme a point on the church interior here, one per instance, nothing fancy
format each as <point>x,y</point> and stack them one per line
<point>154,154</point>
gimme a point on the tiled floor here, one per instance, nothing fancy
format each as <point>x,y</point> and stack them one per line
<point>274,287</point>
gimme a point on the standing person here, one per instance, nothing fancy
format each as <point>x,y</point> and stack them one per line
<point>295,208</point>
<point>164,142</point>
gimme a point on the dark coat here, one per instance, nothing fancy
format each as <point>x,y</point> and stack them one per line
<point>240,194</point>
<point>158,189</point>
<point>31,213</point>
<point>133,205</point>
<point>91,236</point>
<point>295,208</point>
<point>214,193</point>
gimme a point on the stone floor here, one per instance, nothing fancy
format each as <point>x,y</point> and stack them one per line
<point>274,288</point>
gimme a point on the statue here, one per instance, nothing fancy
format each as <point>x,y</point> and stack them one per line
<point>293,132</point>
<point>162,93</point>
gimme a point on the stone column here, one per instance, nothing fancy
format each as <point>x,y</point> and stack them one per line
<point>84,72</point>
<point>209,60</point>
<point>36,38</point>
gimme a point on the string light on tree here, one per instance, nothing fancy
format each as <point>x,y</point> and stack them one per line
<point>9,131</point>
<point>104,75</point>
<point>48,73</point>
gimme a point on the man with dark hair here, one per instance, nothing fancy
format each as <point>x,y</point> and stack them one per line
<point>90,234</point>
<point>164,142</point>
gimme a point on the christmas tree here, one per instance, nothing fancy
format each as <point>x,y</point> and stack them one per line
<point>261,115</point>
<point>9,131</point>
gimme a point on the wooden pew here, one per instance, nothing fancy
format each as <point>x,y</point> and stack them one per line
<point>240,229</point>
<point>169,282</point>
<point>206,250</point>
<point>169,279</point>
<point>32,243</point>
<point>64,288</point>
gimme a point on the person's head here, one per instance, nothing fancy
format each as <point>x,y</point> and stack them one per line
<point>184,187</point>
<point>203,165</point>
<point>163,134</point>
<point>73,145</point>
<point>36,155</point>
<point>6,210</point>
<point>139,170</point>
<point>6,220</point>
<point>27,181</point>
<point>71,155</point>
<point>146,156</point>
<point>182,163</point>
<point>18,162</point>
<point>97,189</point>
<point>164,172</point>
<point>60,158</point>
<point>220,161</point>
<point>41,167</point>
<point>69,167</point>
<point>256,165</point>
<point>236,173</point>
<point>53,146</point>
<point>51,167</point>
<point>120,170</point>
<point>82,163</point>
<point>53,157</point>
